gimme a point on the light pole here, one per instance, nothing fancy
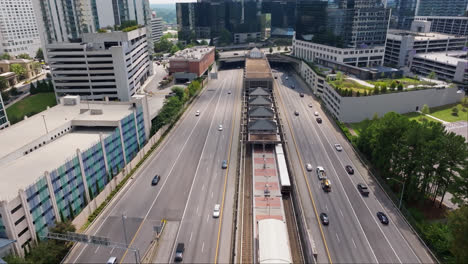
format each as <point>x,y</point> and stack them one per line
<point>45,124</point>
<point>125,231</point>
<point>402,191</point>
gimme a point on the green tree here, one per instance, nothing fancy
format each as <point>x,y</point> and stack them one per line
<point>19,70</point>
<point>464,101</point>
<point>393,85</point>
<point>225,37</point>
<point>5,56</point>
<point>162,46</point>
<point>180,93</point>
<point>432,75</point>
<point>24,56</point>
<point>376,89</point>
<point>14,91</point>
<point>204,43</point>
<point>5,96</point>
<point>278,48</point>
<point>339,76</point>
<point>271,50</point>
<point>384,88</point>
<point>3,83</point>
<point>458,224</point>
<point>400,87</point>
<point>174,49</point>
<point>358,94</point>
<point>12,259</point>
<point>39,54</point>
<point>425,109</point>
<point>375,117</point>
<point>455,111</point>
<point>127,24</point>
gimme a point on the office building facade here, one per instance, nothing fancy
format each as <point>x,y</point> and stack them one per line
<point>349,32</point>
<point>283,16</point>
<point>402,45</point>
<point>52,175</point>
<point>441,7</point>
<point>156,27</point>
<point>447,25</point>
<point>113,65</point>
<point>403,13</point>
<point>18,28</point>
<point>3,116</point>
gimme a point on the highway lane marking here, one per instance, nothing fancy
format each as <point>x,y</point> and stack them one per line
<point>197,209</point>
<point>207,218</point>
<point>112,250</point>
<point>227,170</point>
<point>162,147</point>
<point>326,207</point>
<point>337,237</point>
<point>95,251</point>
<point>381,206</point>
<point>202,247</point>
<point>173,165</point>
<point>341,212</point>
<point>341,184</point>
<point>352,239</point>
<point>196,172</point>
<point>211,194</point>
<point>305,177</point>
<point>203,187</point>
<point>191,233</point>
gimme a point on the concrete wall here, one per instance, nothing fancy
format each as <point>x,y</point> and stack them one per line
<point>356,109</point>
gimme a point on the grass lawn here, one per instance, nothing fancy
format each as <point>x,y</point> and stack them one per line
<point>405,81</point>
<point>445,113</point>
<point>357,127</point>
<point>29,106</point>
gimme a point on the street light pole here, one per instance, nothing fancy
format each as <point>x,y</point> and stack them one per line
<point>125,231</point>
<point>402,191</point>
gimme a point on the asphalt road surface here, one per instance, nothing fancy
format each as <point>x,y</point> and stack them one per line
<point>192,182</point>
<point>354,235</point>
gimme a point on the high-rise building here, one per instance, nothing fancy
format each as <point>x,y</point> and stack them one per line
<point>403,13</point>
<point>89,60</point>
<point>283,16</point>
<point>66,21</point>
<point>156,27</point>
<point>18,29</point>
<point>441,7</point>
<point>3,116</point>
<point>345,31</point>
<point>448,25</point>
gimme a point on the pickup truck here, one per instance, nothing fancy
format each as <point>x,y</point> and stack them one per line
<point>321,173</point>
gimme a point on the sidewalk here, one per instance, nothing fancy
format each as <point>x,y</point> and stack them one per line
<point>440,120</point>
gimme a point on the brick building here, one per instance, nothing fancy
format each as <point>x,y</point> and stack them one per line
<point>191,63</point>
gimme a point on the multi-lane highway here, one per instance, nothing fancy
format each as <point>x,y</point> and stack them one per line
<point>354,235</point>
<point>192,182</point>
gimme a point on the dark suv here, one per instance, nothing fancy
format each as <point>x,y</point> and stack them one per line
<point>179,254</point>
<point>363,189</point>
<point>155,180</point>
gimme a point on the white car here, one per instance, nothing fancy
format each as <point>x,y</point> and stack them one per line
<point>310,105</point>
<point>229,92</point>
<point>216,210</point>
<point>316,114</point>
<point>197,113</point>
<point>338,147</point>
<point>220,128</point>
<point>309,167</point>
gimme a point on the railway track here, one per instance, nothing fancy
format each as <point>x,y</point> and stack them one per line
<point>293,232</point>
<point>247,210</point>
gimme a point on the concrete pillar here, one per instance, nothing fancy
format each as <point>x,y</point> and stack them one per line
<point>27,214</point>
<point>83,176</point>
<point>10,227</point>
<point>52,196</point>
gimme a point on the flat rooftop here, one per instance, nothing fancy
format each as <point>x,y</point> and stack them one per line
<point>448,57</point>
<point>419,35</point>
<point>257,69</point>
<point>23,133</point>
<point>24,171</point>
<point>195,53</point>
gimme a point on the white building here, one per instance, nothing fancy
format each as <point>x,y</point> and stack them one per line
<point>18,29</point>
<point>402,45</point>
<point>362,57</point>
<point>156,27</point>
<point>113,64</point>
<point>57,165</point>
<point>448,66</point>
<point>446,24</point>
<point>3,116</point>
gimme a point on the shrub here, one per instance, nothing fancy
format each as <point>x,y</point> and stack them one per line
<point>455,111</point>
<point>464,109</point>
<point>400,87</point>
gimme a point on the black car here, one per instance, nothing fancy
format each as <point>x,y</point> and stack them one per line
<point>155,180</point>
<point>301,94</point>
<point>383,218</point>
<point>179,255</point>
<point>319,120</point>
<point>349,169</point>
<point>363,189</point>
<point>296,113</point>
<point>324,218</point>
